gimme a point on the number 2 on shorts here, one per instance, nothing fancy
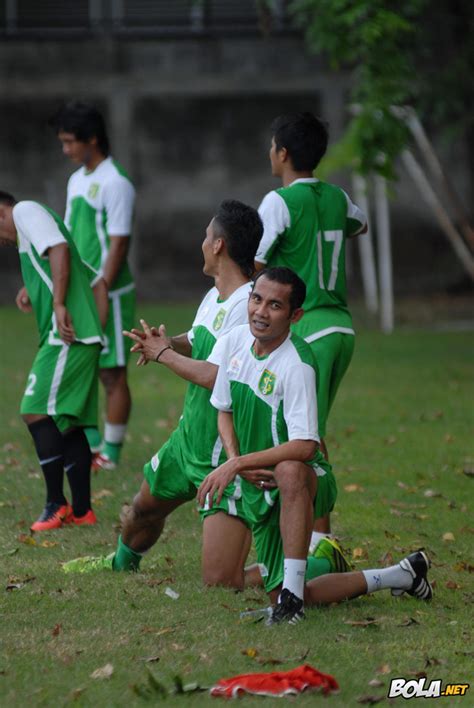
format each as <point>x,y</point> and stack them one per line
<point>30,388</point>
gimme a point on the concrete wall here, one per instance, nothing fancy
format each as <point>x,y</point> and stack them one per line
<point>189,121</point>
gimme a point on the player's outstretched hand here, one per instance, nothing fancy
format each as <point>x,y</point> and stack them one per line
<point>140,337</point>
<point>263,479</point>
<point>22,300</point>
<point>64,324</point>
<point>216,482</point>
<point>150,343</point>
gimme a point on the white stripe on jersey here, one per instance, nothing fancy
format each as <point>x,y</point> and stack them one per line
<point>328,330</point>
<point>57,377</point>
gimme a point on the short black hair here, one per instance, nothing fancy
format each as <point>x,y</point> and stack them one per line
<point>84,121</point>
<point>7,199</point>
<point>241,228</point>
<point>286,276</point>
<point>305,138</point>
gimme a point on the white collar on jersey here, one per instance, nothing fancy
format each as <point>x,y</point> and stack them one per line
<point>303,179</point>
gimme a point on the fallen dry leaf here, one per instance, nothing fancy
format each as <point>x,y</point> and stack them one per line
<point>76,693</point>
<point>105,672</point>
<point>151,659</point>
<point>26,539</point>
<point>386,560</point>
<point>359,554</point>
<point>370,700</point>
<point>448,536</point>
<point>408,622</point>
<point>353,488</point>
<point>451,585</point>
<point>101,494</point>
<point>48,544</point>
<point>376,683</point>
<point>363,623</point>
<point>251,652</point>
<point>384,669</point>
<point>431,494</point>
<point>464,566</point>
<point>56,629</point>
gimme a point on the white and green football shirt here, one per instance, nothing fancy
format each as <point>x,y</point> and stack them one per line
<point>198,424</point>
<point>38,229</point>
<point>305,228</point>
<point>99,205</point>
<point>272,399</point>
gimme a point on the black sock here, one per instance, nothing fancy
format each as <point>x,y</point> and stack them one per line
<point>50,450</point>
<point>77,463</point>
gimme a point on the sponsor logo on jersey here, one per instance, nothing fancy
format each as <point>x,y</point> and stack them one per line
<point>219,319</point>
<point>93,190</point>
<point>235,365</point>
<point>267,382</point>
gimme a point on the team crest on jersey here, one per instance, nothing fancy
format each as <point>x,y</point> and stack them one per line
<point>93,190</point>
<point>219,319</point>
<point>267,382</point>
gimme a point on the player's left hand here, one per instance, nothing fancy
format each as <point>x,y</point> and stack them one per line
<point>261,478</point>
<point>64,324</point>
<point>217,481</point>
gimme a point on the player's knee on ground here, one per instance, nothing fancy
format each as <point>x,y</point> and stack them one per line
<point>217,576</point>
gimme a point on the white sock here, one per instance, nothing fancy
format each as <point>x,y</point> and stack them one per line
<point>114,432</point>
<point>293,578</point>
<point>383,578</point>
<point>316,537</point>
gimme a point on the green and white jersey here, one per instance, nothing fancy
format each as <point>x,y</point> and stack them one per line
<point>198,424</point>
<point>99,205</point>
<point>38,229</point>
<point>305,228</point>
<point>272,399</point>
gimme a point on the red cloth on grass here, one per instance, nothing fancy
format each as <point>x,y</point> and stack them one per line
<point>276,683</point>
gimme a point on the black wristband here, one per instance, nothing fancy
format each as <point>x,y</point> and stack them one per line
<point>163,350</point>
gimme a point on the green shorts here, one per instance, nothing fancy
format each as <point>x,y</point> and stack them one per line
<point>62,383</point>
<point>169,476</point>
<point>333,354</point>
<point>121,316</point>
<point>266,532</point>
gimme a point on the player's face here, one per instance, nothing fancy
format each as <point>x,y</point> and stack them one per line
<point>275,160</point>
<point>7,227</point>
<point>76,150</point>
<point>208,250</point>
<point>270,312</point>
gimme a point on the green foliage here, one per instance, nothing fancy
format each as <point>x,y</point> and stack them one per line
<point>373,37</point>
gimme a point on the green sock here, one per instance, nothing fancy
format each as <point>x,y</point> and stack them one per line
<point>93,438</point>
<point>316,567</point>
<point>112,450</point>
<point>125,558</point>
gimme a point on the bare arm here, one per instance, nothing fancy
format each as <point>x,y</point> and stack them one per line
<point>153,345</point>
<point>101,298</point>
<point>217,481</point>
<point>225,425</point>
<point>59,261</point>
<point>116,257</point>
<point>181,344</point>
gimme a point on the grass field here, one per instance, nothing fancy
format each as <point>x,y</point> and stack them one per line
<point>402,447</point>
